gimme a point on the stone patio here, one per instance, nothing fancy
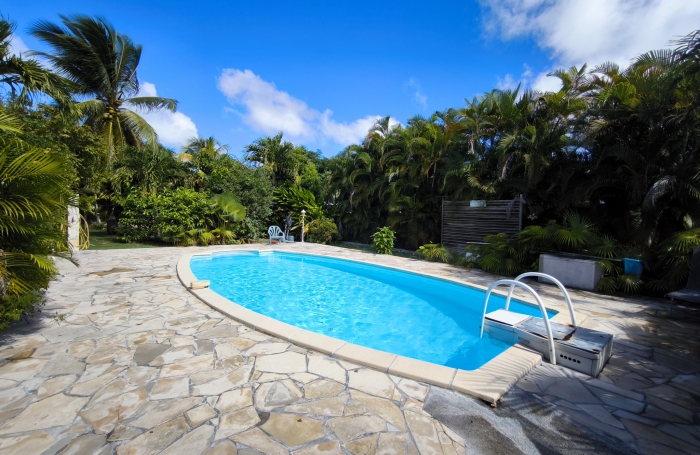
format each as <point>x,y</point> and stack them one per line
<point>124,360</point>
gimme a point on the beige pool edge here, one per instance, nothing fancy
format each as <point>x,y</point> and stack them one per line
<point>489,382</point>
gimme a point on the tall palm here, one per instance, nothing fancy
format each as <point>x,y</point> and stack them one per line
<point>274,155</point>
<point>207,146</point>
<point>202,155</point>
<point>102,64</point>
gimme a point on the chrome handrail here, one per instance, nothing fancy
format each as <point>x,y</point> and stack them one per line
<point>513,283</point>
<point>553,280</point>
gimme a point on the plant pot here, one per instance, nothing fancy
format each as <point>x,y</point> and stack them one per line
<point>633,266</point>
<point>477,203</point>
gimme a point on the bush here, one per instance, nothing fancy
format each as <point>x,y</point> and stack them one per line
<point>511,255</point>
<point>433,252</point>
<point>12,307</point>
<point>322,230</point>
<point>253,189</point>
<point>383,241</point>
<point>34,192</point>
<point>163,216</point>
<point>503,255</point>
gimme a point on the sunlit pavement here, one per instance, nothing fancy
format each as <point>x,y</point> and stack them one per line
<point>123,359</point>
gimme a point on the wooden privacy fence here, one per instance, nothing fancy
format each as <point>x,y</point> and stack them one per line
<point>462,224</point>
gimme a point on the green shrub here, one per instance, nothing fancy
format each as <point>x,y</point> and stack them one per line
<point>162,217</point>
<point>511,255</point>
<point>12,307</point>
<point>34,193</point>
<point>383,240</point>
<point>433,252</point>
<point>503,255</point>
<point>322,230</point>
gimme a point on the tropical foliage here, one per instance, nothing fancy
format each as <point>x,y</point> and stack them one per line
<point>25,77</point>
<point>433,252</point>
<point>383,240</point>
<point>608,166</point>
<point>34,194</point>
<point>322,230</point>
<point>101,65</point>
<point>160,217</point>
<point>615,146</point>
<point>47,155</point>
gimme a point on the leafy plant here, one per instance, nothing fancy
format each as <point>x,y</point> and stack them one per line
<point>673,264</point>
<point>433,252</point>
<point>503,255</point>
<point>13,307</point>
<point>629,284</point>
<point>383,240</point>
<point>225,212</point>
<point>34,194</point>
<point>163,216</point>
<point>294,199</point>
<point>24,77</point>
<point>322,230</point>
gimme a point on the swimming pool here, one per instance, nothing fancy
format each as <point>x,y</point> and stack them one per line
<point>399,312</point>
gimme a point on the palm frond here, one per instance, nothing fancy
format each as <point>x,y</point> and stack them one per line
<point>151,103</point>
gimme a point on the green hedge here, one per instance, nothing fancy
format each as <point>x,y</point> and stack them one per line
<point>161,217</point>
<point>322,230</point>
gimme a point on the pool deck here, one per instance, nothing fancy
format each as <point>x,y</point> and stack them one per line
<point>124,360</point>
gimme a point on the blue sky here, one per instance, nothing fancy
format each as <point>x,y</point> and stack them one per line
<point>322,71</point>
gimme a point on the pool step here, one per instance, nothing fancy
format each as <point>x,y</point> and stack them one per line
<point>577,348</point>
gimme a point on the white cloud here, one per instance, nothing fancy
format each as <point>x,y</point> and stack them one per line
<point>17,46</point>
<point>173,128</point>
<point>508,82</point>
<point>592,31</point>
<point>545,83</point>
<point>418,96</point>
<point>345,133</point>
<point>269,110</point>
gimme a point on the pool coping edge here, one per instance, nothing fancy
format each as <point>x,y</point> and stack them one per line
<point>489,382</point>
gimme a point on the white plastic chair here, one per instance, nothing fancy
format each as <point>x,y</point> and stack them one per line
<point>275,233</point>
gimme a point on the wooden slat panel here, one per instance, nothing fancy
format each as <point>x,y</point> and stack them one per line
<point>462,224</point>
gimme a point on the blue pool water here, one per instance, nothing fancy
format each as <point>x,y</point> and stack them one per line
<point>399,312</point>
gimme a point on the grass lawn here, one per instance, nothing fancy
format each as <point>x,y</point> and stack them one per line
<point>99,240</point>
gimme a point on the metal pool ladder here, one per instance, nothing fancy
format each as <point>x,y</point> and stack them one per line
<point>579,348</point>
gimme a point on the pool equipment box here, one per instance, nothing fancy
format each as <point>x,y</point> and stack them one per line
<point>578,348</point>
<point>572,272</point>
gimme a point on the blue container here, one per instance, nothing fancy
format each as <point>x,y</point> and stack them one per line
<point>633,266</point>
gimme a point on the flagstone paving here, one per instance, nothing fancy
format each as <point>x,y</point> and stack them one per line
<point>123,360</point>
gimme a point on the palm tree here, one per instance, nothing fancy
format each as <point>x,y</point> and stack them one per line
<point>206,146</point>
<point>148,170</point>
<point>274,155</point>
<point>225,210</point>
<point>26,77</point>
<point>101,64</point>
<point>202,155</point>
